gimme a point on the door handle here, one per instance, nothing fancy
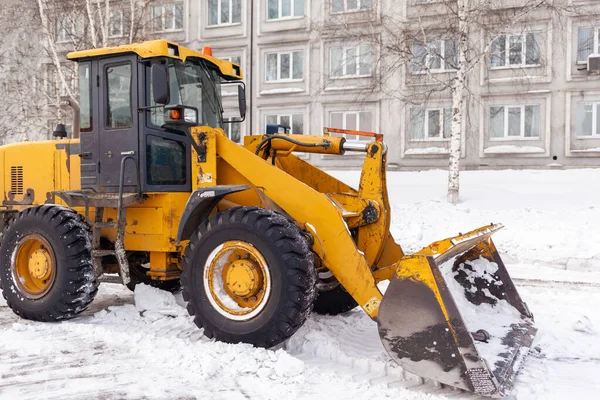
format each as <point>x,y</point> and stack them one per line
<point>128,153</point>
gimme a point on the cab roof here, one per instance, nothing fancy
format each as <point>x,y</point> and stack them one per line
<point>160,48</point>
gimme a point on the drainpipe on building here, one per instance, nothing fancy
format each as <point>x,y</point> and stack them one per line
<point>251,69</point>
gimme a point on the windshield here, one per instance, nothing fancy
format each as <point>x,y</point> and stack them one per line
<point>193,84</point>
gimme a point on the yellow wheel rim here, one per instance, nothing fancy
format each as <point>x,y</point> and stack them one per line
<point>237,280</point>
<point>33,266</point>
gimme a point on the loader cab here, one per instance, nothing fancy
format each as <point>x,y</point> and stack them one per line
<point>126,98</point>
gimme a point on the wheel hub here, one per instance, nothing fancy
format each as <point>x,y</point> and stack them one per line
<point>237,280</point>
<point>39,264</point>
<point>33,265</point>
<point>243,278</point>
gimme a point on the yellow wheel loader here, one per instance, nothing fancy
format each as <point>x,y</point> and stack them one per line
<point>154,192</point>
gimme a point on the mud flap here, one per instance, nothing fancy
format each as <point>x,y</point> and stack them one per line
<point>452,314</point>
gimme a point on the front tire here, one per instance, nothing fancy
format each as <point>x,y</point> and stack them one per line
<point>46,266</point>
<point>248,276</point>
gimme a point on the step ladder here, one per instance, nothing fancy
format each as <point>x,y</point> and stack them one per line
<point>121,201</point>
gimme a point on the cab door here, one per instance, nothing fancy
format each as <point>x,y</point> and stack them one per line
<point>118,128</point>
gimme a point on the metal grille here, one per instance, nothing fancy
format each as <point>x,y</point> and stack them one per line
<point>16,180</point>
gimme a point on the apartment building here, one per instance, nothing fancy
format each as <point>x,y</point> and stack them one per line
<point>309,64</point>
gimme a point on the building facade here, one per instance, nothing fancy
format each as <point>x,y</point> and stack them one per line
<point>310,64</point>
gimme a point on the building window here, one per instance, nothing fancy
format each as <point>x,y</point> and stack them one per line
<point>352,120</point>
<point>435,56</point>
<point>224,12</point>
<point>587,42</point>
<point>168,17</point>
<point>284,66</point>
<point>233,130</point>
<point>430,123</point>
<point>68,27</point>
<point>522,121</point>
<point>351,61</point>
<point>588,122</point>
<point>278,9</point>
<point>516,50</point>
<point>64,29</point>
<point>234,59</point>
<point>340,6</point>
<point>295,121</point>
<point>115,27</point>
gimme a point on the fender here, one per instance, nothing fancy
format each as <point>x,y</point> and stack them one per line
<point>200,205</point>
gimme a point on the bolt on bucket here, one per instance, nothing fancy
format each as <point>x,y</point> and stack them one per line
<point>452,314</point>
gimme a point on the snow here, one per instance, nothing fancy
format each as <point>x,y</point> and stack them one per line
<point>594,150</point>
<point>510,149</point>
<point>149,300</point>
<point>495,319</point>
<point>281,91</point>
<point>145,345</point>
<point>427,150</point>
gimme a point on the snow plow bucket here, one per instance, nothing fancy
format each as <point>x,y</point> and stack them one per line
<point>452,314</point>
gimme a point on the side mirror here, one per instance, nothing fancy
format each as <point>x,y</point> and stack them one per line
<point>160,83</point>
<point>242,101</point>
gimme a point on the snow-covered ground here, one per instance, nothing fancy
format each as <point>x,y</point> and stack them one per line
<point>147,347</point>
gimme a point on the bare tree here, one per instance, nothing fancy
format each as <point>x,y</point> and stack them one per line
<point>436,51</point>
<point>35,75</point>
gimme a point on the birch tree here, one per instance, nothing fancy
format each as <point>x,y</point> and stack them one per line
<point>436,52</point>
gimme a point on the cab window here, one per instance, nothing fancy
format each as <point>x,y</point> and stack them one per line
<point>118,113</point>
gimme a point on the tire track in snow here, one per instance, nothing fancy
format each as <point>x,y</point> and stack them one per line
<point>554,283</point>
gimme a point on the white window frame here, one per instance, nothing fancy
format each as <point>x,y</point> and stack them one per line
<point>70,32</point>
<point>358,62</point>
<point>523,64</point>
<point>279,8</point>
<point>351,10</point>
<point>522,136</point>
<point>291,78</point>
<point>345,115</point>
<point>121,25</point>
<point>595,134</point>
<point>219,22</point>
<point>595,47</point>
<point>426,136</point>
<point>429,56</point>
<point>163,19</point>
<point>290,115</point>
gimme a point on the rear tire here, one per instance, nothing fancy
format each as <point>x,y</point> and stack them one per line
<point>287,276</point>
<point>46,266</point>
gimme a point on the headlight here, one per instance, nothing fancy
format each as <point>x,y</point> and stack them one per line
<point>190,115</point>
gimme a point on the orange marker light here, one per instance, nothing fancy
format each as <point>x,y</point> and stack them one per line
<point>207,51</point>
<point>175,114</point>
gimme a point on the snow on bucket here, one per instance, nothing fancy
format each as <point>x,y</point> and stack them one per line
<point>452,314</point>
